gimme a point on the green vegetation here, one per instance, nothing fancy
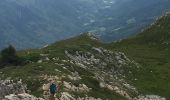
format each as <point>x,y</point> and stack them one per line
<point>151,49</point>
<point>9,56</point>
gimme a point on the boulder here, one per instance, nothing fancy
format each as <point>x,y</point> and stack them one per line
<point>46,87</point>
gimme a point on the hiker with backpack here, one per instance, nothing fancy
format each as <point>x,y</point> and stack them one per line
<point>56,89</point>
<point>53,90</point>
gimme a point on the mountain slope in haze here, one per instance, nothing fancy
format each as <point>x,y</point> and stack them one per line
<point>136,68</point>
<point>151,49</point>
<point>40,22</point>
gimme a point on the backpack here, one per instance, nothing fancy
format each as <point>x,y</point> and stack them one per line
<point>53,88</point>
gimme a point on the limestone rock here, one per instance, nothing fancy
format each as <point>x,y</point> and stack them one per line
<point>23,96</point>
<point>150,97</point>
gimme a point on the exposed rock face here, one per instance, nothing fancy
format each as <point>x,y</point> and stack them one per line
<point>88,98</point>
<point>81,88</point>
<point>10,87</point>
<point>67,96</point>
<point>23,96</point>
<point>107,66</point>
<point>116,89</point>
<point>92,36</point>
<point>64,96</point>
<point>75,76</point>
<point>102,58</point>
<point>151,97</point>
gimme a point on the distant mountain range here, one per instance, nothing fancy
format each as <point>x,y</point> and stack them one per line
<point>34,23</point>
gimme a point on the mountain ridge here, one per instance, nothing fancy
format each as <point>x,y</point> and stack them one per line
<point>37,22</point>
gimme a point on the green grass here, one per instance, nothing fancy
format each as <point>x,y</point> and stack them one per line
<point>150,51</point>
<point>153,75</point>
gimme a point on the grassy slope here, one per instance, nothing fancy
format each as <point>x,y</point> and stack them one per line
<point>30,73</point>
<point>151,49</point>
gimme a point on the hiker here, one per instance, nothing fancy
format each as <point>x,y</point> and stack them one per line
<point>53,90</point>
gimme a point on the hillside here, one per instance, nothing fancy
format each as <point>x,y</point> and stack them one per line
<point>80,61</point>
<point>150,48</point>
<point>132,69</point>
<point>40,22</point>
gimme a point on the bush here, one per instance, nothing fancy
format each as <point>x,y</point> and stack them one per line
<point>9,56</point>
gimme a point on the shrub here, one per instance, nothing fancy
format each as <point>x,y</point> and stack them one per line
<point>9,56</point>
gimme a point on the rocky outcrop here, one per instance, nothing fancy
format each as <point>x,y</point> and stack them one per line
<point>107,66</point>
<point>66,96</point>
<point>10,87</point>
<point>75,76</point>
<point>23,96</point>
<point>89,98</point>
<point>82,88</point>
<point>150,97</point>
<point>92,36</point>
<point>116,89</point>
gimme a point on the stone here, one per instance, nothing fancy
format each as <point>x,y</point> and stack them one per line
<point>66,96</point>
<point>46,87</point>
<point>39,61</point>
<point>102,85</point>
<point>150,97</point>
<point>23,96</point>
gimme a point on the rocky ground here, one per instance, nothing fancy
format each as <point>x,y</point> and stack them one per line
<point>108,69</point>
